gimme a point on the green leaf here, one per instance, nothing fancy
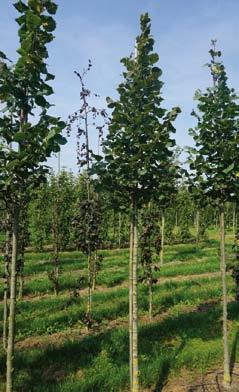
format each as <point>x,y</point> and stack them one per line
<point>3,56</point>
<point>32,19</point>
<point>48,23</point>
<point>61,124</point>
<point>229,168</point>
<point>41,101</point>
<point>51,7</point>
<point>20,6</point>
<point>49,77</point>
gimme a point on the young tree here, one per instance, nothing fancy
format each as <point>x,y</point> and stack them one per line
<point>137,153</point>
<point>88,117</point>
<point>22,89</point>
<point>216,160</point>
<point>87,233</point>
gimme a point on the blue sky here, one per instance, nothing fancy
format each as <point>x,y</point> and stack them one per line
<point>105,30</point>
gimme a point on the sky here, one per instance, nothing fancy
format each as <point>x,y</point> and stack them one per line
<point>105,30</point>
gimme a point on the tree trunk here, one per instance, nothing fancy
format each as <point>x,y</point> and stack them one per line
<point>226,374</point>
<point>89,299</point>
<point>130,300</point>
<point>12,310</point>
<point>162,239</point>
<point>94,272</point>
<point>56,288</point>
<point>197,226</point>
<point>119,233</point>
<point>135,371</point>
<point>7,258</point>
<point>235,271</point>
<point>150,300</point>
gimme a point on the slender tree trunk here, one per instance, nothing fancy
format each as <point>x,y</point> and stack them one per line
<point>56,288</point>
<point>226,374</point>
<point>119,233</point>
<point>94,272</point>
<point>197,226</point>
<point>89,303</point>
<point>135,370</point>
<point>162,239</point>
<point>150,300</point>
<point>12,309</point>
<point>235,272</point>
<point>130,301</point>
<point>7,258</point>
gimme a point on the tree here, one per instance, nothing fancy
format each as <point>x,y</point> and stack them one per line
<point>216,160</point>
<point>88,117</point>
<point>88,235</point>
<point>23,88</point>
<point>137,153</point>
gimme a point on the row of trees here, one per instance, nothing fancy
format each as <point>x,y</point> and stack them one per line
<point>182,221</point>
<point>25,142</point>
<point>139,162</point>
<point>136,182</point>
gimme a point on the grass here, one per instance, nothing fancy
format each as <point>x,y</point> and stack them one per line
<point>54,352</point>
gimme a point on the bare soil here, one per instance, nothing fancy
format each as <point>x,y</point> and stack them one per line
<point>211,382</point>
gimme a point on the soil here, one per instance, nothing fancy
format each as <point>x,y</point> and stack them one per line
<point>211,382</point>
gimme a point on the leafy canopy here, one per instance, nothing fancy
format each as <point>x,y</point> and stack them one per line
<point>138,148</point>
<point>215,160</point>
<point>23,91</point>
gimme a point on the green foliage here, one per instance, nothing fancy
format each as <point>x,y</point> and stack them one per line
<point>62,196</point>
<point>149,240</point>
<point>185,213</point>
<point>23,89</point>
<point>215,160</point>
<point>39,216</point>
<point>138,148</point>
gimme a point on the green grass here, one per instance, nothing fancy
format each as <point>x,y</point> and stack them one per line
<point>56,355</point>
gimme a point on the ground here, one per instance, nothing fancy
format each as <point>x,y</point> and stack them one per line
<point>180,350</point>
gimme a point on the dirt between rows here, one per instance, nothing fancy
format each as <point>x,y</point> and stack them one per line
<point>211,382</point>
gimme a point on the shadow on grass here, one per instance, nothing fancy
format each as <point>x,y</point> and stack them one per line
<point>166,366</point>
<point>87,363</point>
<point>233,353</point>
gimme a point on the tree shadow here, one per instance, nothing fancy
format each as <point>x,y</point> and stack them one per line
<point>233,353</point>
<point>48,365</point>
<point>166,366</point>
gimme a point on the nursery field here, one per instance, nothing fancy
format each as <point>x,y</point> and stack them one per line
<point>182,343</point>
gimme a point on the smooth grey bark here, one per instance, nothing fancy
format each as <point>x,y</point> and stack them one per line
<point>135,368</point>
<point>130,301</point>
<point>7,258</point>
<point>12,302</point>
<point>226,372</point>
